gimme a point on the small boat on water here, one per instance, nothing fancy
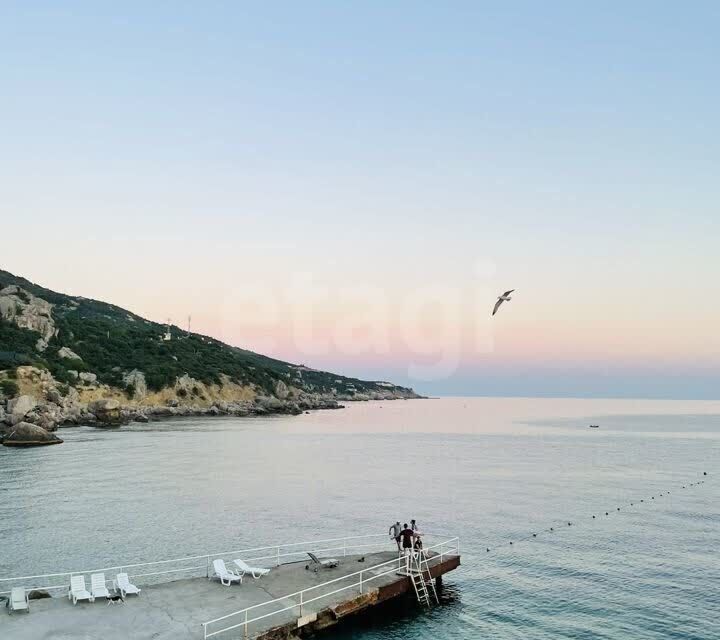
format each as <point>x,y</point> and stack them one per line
<point>594,426</point>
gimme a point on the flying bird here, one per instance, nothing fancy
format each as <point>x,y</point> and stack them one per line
<point>503,298</point>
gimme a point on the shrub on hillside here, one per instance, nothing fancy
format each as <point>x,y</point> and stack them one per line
<point>9,388</point>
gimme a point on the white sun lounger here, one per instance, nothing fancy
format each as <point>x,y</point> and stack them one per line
<point>316,563</point>
<point>77,590</point>
<point>123,585</point>
<point>255,572</point>
<point>18,600</point>
<point>97,586</point>
<point>226,576</point>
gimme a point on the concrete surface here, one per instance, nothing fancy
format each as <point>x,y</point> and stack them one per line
<point>175,610</point>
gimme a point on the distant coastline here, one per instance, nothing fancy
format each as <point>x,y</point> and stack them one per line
<point>68,360</point>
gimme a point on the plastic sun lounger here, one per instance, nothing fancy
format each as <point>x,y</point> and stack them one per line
<point>255,572</point>
<point>98,587</point>
<point>18,600</point>
<point>124,586</point>
<point>77,590</point>
<point>316,563</point>
<point>226,576</point>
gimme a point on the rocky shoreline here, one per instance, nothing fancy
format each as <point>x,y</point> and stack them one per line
<point>30,419</point>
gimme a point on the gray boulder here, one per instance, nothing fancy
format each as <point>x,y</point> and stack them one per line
<point>25,434</point>
<point>19,407</point>
<point>27,311</point>
<point>281,390</point>
<point>106,410</point>
<point>86,376</point>
<point>269,404</point>
<point>53,395</point>
<point>136,379</point>
<point>65,352</point>
<point>48,416</point>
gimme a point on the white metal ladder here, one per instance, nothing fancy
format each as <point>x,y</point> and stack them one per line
<point>422,580</point>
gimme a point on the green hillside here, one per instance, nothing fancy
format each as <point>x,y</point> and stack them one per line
<point>111,341</point>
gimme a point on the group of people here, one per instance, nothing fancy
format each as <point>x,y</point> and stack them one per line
<point>408,538</point>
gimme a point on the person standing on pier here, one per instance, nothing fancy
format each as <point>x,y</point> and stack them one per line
<point>419,546</point>
<point>394,532</point>
<point>407,535</point>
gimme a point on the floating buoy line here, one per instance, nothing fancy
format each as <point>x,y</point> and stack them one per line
<point>571,523</point>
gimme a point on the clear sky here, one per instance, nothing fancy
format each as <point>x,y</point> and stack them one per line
<point>350,185</point>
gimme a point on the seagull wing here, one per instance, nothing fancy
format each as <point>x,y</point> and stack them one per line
<point>507,293</point>
<point>497,305</point>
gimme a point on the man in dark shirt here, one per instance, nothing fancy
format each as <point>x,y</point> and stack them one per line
<point>407,539</point>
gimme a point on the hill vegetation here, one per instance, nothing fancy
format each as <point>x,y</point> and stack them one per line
<point>68,335</point>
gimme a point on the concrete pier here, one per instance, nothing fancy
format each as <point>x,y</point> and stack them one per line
<point>177,609</point>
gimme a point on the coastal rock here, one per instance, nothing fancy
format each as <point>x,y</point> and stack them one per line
<point>131,414</point>
<point>87,377</point>
<point>53,395</point>
<point>136,380</point>
<point>187,387</point>
<point>281,390</point>
<point>71,407</point>
<point>240,409</point>
<point>106,410</point>
<point>162,412</point>
<point>19,408</point>
<point>2,413</point>
<point>27,311</point>
<point>25,434</point>
<point>41,345</point>
<point>269,404</point>
<point>87,417</point>
<point>48,416</point>
<point>65,352</point>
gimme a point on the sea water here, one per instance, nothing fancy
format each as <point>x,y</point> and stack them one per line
<point>491,470</point>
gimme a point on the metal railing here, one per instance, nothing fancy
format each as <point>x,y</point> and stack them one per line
<point>359,579</point>
<point>197,565</point>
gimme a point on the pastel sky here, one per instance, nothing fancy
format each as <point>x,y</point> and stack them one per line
<point>350,185</point>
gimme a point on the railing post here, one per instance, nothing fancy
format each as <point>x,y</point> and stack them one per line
<point>361,585</point>
<point>207,567</point>
<point>344,547</point>
<point>246,624</point>
<point>278,556</point>
<point>301,604</point>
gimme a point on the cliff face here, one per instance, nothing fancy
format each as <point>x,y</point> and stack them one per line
<point>81,361</point>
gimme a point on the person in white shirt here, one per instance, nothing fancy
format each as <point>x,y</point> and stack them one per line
<point>394,532</point>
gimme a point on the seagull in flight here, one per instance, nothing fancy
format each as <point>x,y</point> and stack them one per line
<point>503,298</point>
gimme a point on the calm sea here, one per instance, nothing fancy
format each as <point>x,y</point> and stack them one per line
<point>492,470</point>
